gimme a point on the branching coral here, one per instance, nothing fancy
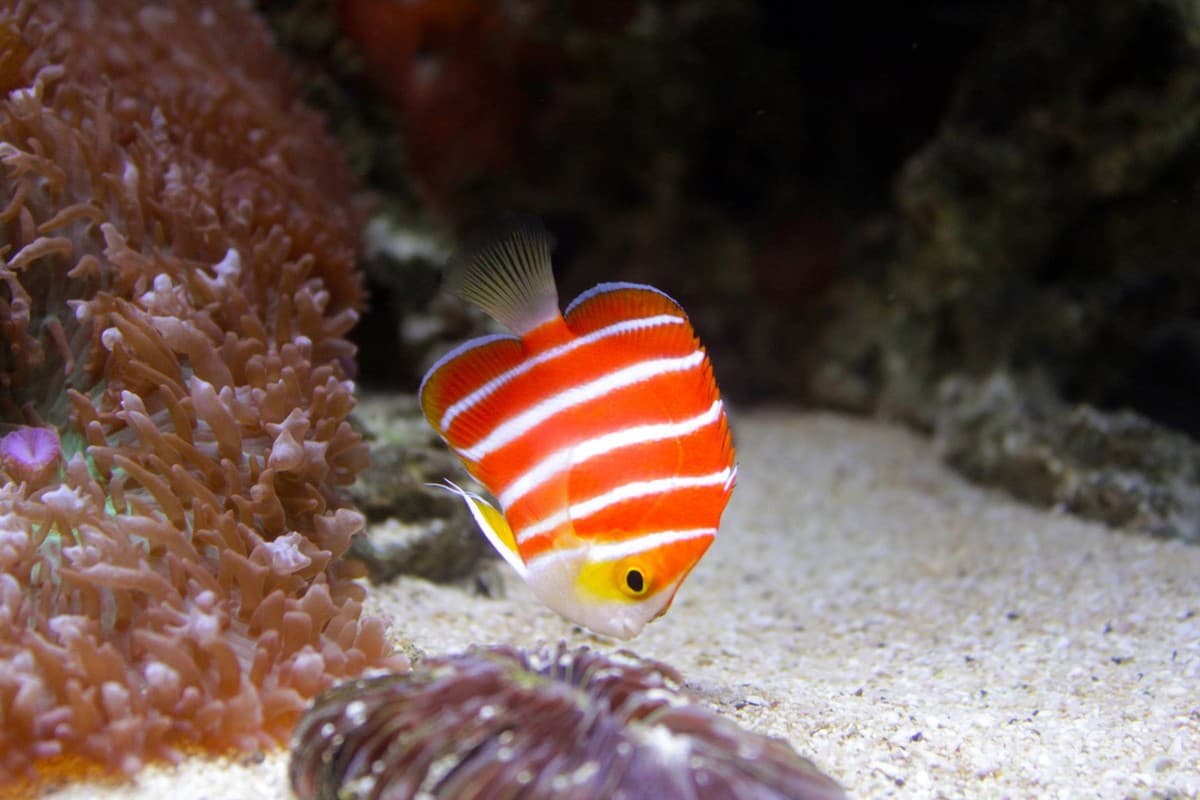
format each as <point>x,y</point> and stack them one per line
<point>176,282</point>
<point>553,723</point>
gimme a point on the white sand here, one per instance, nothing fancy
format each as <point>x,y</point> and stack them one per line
<point>913,635</point>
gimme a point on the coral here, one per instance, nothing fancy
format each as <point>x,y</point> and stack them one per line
<point>177,282</point>
<point>553,723</point>
<point>30,454</point>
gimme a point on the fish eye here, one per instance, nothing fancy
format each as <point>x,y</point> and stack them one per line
<point>635,581</point>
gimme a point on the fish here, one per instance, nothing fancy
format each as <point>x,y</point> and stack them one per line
<point>598,429</point>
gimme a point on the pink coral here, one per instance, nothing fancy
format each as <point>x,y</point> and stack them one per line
<point>177,278</point>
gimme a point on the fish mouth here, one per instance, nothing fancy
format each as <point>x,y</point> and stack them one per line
<point>629,629</point>
<point>622,629</point>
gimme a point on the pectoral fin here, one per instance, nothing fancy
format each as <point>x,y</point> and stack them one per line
<point>494,526</point>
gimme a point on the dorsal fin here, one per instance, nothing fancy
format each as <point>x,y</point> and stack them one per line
<point>508,275</point>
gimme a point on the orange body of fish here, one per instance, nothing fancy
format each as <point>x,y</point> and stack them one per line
<point>599,430</point>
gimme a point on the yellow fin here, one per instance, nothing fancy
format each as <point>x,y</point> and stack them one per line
<point>494,526</point>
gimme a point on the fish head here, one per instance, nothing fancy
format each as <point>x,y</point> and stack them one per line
<point>615,589</point>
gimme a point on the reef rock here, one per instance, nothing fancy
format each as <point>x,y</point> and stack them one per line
<point>1047,228</point>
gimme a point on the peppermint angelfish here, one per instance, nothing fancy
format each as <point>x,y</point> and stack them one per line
<point>600,431</point>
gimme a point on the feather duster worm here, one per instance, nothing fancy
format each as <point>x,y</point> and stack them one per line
<point>498,723</point>
<point>176,282</point>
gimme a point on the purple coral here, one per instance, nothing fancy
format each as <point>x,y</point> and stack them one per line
<point>30,454</point>
<point>556,723</point>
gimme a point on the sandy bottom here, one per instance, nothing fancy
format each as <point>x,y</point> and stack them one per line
<point>913,635</point>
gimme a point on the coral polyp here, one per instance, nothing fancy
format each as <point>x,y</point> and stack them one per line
<point>553,723</point>
<point>30,454</point>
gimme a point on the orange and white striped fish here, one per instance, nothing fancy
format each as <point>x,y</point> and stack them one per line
<point>600,431</point>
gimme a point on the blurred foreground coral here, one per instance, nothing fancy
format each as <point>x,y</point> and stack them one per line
<point>177,278</point>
